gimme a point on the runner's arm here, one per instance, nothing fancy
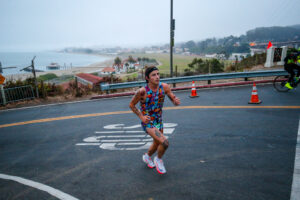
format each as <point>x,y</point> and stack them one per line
<point>135,99</point>
<point>132,105</point>
<point>175,100</point>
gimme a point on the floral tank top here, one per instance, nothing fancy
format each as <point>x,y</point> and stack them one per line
<point>153,107</point>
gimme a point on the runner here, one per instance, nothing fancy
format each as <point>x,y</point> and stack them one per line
<point>151,99</point>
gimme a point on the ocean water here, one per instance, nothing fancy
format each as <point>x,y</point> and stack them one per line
<point>23,59</point>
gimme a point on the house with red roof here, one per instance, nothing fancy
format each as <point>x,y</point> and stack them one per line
<point>107,71</point>
<point>125,66</point>
<point>89,79</point>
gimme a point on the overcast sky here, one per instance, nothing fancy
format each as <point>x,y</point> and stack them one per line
<point>50,24</point>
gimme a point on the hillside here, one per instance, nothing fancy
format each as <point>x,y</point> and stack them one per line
<point>276,33</point>
<point>232,44</point>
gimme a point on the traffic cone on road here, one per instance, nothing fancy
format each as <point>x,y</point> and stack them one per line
<point>254,97</point>
<point>194,91</point>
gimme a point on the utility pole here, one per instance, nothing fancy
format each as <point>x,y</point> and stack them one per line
<point>34,75</point>
<point>1,70</point>
<point>172,28</point>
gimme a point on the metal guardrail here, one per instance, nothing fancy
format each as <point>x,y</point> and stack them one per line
<point>16,94</point>
<point>207,77</point>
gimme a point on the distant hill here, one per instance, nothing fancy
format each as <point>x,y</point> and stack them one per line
<point>275,33</point>
<point>232,44</point>
<point>297,26</point>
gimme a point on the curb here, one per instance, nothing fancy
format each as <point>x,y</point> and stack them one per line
<point>185,88</point>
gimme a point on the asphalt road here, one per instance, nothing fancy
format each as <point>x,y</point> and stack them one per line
<point>216,152</point>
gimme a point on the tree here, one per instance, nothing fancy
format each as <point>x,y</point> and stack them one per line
<point>131,60</point>
<point>118,61</point>
<point>202,67</point>
<point>193,63</point>
<point>216,66</point>
<point>127,66</point>
<point>190,44</point>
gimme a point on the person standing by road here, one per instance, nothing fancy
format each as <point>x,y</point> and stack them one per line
<point>151,98</point>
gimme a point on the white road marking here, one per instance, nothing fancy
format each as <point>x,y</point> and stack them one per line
<point>125,136</point>
<point>168,130</point>
<point>135,143</point>
<point>54,192</point>
<point>87,144</point>
<point>99,132</point>
<point>121,126</point>
<point>112,146</point>
<point>132,140</point>
<point>295,193</point>
<point>102,138</point>
<point>125,139</point>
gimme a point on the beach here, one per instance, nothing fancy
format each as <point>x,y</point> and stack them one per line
<point>96,67</point>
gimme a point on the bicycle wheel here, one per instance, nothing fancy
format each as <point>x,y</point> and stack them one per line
<point>279,83</point>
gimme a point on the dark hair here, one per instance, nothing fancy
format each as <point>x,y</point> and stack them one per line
<point>149,70</point>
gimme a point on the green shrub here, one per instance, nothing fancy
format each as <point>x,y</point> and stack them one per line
<point>46,77</point>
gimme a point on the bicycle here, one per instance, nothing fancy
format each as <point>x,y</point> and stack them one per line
<point>280,81</point>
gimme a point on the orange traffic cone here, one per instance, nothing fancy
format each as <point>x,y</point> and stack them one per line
<point>254,97</point>
<point>194,92</point>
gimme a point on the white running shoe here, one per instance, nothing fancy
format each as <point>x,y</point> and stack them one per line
<point>159,165</point>
<point>148,161</point>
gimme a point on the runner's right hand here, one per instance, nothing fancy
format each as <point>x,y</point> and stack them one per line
<point>145,119</point>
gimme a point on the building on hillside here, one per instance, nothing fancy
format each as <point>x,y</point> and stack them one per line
<point>219,56</point>
<point>89,80</point>
<point>131,65</point>
<point>107,71</point>
<point>256,51</point>
<point>118,68</point>
<point>125,66</point>
<point>238,56</point>
<point>211,55</point>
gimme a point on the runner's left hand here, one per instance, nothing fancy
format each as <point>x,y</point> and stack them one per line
<point>176,101</point>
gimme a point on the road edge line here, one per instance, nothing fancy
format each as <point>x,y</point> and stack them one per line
<point>54,192</point>
<point>295,190</point>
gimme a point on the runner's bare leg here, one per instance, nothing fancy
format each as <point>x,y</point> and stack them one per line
<point>159,138</point>
<point>153,148</point>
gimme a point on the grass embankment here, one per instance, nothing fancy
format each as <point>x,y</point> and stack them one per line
<point>51,77</point>
<point>47,77</point>
<point>129,77</point>
<point>181,61</point>
<point>164,59</point>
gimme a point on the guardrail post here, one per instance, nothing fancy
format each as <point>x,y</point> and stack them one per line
<point>3,94</point>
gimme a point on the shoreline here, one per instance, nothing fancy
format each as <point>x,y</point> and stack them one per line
<point>95,67</point>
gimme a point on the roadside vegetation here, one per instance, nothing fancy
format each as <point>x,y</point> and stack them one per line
<point>66,88</point>
<point>47,77</point>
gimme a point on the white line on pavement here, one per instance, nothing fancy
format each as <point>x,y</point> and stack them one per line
<point>119,132</point>
<point>295,193</point>
<point>54,192</point>
<point>136,143</point>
